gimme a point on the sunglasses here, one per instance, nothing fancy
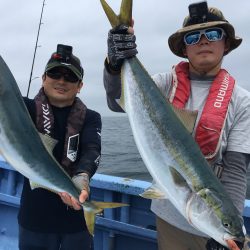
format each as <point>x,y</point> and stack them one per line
<point>68,76</point>
<point>212,35</point>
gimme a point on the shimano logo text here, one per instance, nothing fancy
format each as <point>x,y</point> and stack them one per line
<point>222,92</point>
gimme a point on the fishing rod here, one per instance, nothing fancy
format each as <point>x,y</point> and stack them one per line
<point>34,56</point>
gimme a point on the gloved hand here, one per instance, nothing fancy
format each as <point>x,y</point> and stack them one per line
<point>121,45</point>
<point>214,245</point>
<point>82,183</point>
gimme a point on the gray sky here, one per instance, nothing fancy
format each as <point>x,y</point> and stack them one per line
<point>83,24</point>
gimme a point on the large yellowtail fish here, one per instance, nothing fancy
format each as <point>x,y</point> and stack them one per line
<point>170,154</point>
<point>23,149</point>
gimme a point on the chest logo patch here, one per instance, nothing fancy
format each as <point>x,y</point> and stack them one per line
<point>72,149</point>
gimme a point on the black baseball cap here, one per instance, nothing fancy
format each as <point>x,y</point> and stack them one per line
<point>64,57</point>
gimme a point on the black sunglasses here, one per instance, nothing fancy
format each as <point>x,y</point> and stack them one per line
<point>68,76</point>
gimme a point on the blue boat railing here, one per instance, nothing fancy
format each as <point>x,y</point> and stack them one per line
<point>131,227</point>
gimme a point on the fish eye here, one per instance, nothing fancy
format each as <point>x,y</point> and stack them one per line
<point>227,224</point>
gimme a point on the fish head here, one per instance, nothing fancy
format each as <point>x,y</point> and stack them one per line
<point>216,216</point>
<point>228,216</point>
<point>232,226</point>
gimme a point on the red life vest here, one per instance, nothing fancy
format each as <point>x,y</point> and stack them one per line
<point>211,124</point>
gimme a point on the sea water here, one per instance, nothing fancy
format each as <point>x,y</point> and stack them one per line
<point>120,156</point>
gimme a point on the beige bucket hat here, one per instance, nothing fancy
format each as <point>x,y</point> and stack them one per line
<point>215,18</point>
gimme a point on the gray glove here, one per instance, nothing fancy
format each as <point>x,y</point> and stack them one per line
<point>81,181</point>
<point>121,45</point>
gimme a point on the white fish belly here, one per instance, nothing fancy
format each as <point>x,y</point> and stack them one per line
<point>158,160</point>
<point>153,151</point>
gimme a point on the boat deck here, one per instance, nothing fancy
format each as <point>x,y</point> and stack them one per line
<point>131,227</point>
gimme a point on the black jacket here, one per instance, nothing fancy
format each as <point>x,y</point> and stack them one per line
<point>44,211</point>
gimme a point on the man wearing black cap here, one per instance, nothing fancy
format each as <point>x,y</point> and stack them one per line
<point>222,128</point>
<point>47,220</point>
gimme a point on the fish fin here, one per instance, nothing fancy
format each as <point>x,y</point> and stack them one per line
<point>90,221</point>
<point>125,15</point>
<point>34,185</point>
<point>96,207</point>
<point>187,117</point>
<point>48,142</point>
<point>178,178</point>
<point>103,204</point>
<point>112,17</point>
<point>153,192</point>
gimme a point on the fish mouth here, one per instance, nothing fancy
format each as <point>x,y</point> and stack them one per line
<point>234,243</point>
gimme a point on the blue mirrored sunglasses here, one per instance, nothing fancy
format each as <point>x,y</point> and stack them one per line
<point>212,35</point>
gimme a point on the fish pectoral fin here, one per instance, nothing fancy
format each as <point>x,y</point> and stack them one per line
<point>153,192</point>
<point>48,142</point>
<point>187,117</point>
<point>96,207</point>
<point>178,178</point>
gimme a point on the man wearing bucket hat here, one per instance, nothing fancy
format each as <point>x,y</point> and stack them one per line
<point>48,220</point>
<point>222,128</point>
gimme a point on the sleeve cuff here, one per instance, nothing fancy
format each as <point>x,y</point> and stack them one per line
<point>108,68</point>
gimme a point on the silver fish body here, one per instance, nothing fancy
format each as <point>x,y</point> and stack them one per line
<point>21,144</point>
<point>174,160</point>
<point>170,153</point>
<point>23,149</point>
